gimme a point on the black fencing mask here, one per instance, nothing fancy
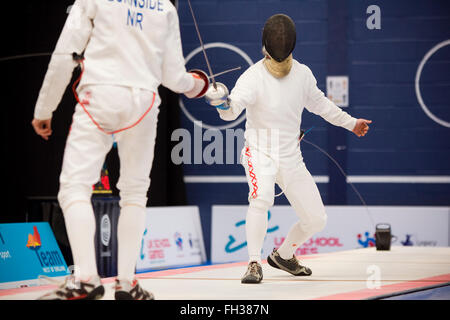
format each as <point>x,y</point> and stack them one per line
<point>279,39</point>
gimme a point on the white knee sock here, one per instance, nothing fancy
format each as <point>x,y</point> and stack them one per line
<point>294,239</point>
<point>80,226</point>
<point>130,230</point>
<point>256,229</point>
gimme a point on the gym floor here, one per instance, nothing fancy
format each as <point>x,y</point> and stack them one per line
<point>401,273</point>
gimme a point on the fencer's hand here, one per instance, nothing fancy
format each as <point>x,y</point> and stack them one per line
<point>42,127</point>
<point>218,97</point>
<point>361,127</point>
<point>201,84</point>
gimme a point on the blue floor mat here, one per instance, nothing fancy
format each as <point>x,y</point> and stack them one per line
<point>442,293</point>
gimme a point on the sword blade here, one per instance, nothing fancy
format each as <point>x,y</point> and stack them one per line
<point>224,72</point>
<point>203,47</point>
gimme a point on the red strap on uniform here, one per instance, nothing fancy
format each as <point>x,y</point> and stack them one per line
<point>92,118</point>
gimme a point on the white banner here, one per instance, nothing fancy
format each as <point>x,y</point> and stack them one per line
<point>337,90</point>
<point>348,227</point>
<point>173,237</point>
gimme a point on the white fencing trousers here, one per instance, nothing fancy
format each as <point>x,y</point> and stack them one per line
<point>291,174</point>
<point>113,108</point>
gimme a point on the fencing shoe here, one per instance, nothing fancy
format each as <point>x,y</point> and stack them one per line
<point>292,265</point>
<point>126,290</point>
<point>77,290</point>
<point>254,273</point>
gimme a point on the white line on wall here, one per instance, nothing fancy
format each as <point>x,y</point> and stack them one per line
<point>235,179</point>
<point>398,179</point>
<point>326,179</point>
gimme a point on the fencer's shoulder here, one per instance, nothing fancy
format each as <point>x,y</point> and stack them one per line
<point>302,68</point>
<point>171,14</point>
<point>253,71</point>
<point>255,67</point>
<point>170,6</point>
<point>169,9</point>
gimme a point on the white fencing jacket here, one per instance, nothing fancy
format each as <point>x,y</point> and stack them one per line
<point>126,42</point>
<point>274,107</point>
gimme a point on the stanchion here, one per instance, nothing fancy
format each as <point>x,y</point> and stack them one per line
<point>106,211</point>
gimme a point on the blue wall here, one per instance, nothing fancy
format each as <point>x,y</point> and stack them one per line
<point>381,64</point>
<point>382,67</point>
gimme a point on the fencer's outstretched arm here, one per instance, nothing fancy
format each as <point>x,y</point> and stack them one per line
<point>74,38</point>
<point>242,95</point>
<point>319,104</point>
<point>174,74</point>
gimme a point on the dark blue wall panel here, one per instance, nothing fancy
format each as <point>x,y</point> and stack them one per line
<point>382,66</point>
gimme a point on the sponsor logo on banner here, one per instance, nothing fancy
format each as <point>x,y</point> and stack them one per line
<point>191,242</point>
<point>155,250</point>
<point>413,240</point>
<point>178,241</point>
<point>50,261</point>
<point>313,245</point>
<point>407,241</point>
<point>366,241</point>
<point>348,227</point>
<point>142,254</point>
<point>231,246</point>
<point>27,251</point>
<point>4,254</point>
<point>173,237</point>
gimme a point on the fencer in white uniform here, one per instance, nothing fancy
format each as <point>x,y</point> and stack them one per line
<point>130,48</point>
<point>274,92</point>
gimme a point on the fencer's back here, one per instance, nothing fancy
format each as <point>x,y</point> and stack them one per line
<point>128,42</point>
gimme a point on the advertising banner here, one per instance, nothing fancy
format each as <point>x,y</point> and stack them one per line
<point>173,237</point>
<point>27,251</point>
<point>348,227</point>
